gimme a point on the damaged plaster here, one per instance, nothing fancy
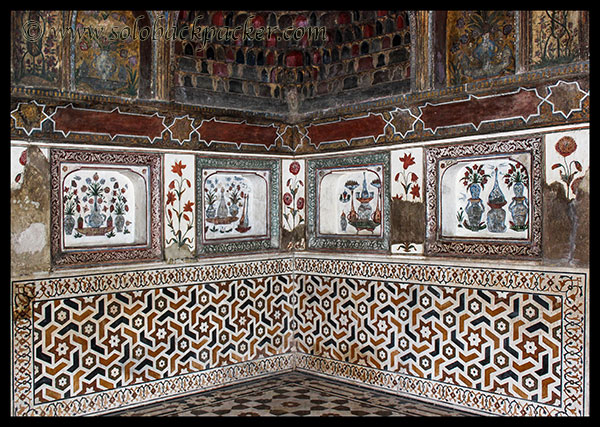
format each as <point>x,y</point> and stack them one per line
<point>566,224</point>
<point>30,216</point>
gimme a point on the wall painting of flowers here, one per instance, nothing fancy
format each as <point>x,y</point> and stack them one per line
<point>480,44</point>
<point>105,208</point>
<point>486,198</point>
<point>107,58</point>
<point>238,207</point>
<point>36,48</point>
<point>567,159</point>
<point>293,198</point>
<point>179,205</point>
<point>408,227</point>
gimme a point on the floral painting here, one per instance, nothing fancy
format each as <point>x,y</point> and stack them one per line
<point>237,206</point>
<point>481,44</point>
<point>555,37</point>
<point>293,198</point>
<point>107,56</point>
<point>99,206</point>
<point>407,201</point>
<point>490,197</point>
<point>36,53</point>
<point>105,207</point>
<point>179,204</point>
<point>487,198</point>
<point>407,172</point>
<point>567,159</point>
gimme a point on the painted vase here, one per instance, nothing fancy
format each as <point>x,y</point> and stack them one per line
<point>119,222</point>
<point>518,208</point>
<point>69,224</point>
<point>222,211</point>
<point>474,208</point>
<point>496,217</point>
<point>364,211</point>
<point>343,222</point>
<point>211,211</point>
<point>96,218</point>
<point>105,64</point>
<point>234,209</point>
<point>485,50</point>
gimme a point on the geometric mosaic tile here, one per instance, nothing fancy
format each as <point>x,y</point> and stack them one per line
<point>291,394</point>
<point>491,339</point>
<point>497,340</point>
<point>100,342</point>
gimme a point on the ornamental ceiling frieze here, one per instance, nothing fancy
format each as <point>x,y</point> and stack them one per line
<point>408,118</point>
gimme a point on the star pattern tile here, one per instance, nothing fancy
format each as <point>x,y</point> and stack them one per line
<point>292,394</point>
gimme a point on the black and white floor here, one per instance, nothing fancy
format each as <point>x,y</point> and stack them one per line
<point>292,394</point>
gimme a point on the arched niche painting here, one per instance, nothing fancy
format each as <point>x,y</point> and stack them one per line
<point>485,198</point>
<point>104,207</point>
<point>238,204</point>
<point>357,192</point>
<point>348,202</point>
<point>111,56</point>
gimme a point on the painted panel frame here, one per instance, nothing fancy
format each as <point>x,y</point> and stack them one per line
<point>440,242</point>
<point>255,227</point>
<point>371,237</point>
<point>143,170</point>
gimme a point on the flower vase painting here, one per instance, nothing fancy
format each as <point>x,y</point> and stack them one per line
<point>486,197</point>
<point>235,204</point>
<point>103,206</point>
<point>348,203</point>
<point>358,207</point>
<point>238,204</point>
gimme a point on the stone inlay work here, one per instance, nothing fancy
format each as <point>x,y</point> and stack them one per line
<point>292,394</point>
<point>238,204</point>
<point>349,203</point>
<point>492,339</point>
<point>105,207</point>
<point>503,341</point>
<point>98,342</point>
<point>485,198</point>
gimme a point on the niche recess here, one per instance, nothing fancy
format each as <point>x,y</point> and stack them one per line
<point>105,207</point>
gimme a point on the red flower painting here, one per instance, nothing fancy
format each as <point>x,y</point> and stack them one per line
<point>565,147</point>
<point>408,180</point>
<point>293,202</point>
<point>178,219</point>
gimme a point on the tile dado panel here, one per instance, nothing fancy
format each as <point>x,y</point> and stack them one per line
<point>98,342</point>
<point>488,339</point>
<point>495,340</point>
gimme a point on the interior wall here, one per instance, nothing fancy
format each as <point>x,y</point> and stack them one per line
<point>348,242</point>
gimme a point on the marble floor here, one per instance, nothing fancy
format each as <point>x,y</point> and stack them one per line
<point>291,394</point>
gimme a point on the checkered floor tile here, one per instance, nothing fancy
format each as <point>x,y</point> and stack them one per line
<point>291,394</point>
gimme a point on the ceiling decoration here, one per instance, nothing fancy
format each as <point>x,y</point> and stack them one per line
<point>291,57</point>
